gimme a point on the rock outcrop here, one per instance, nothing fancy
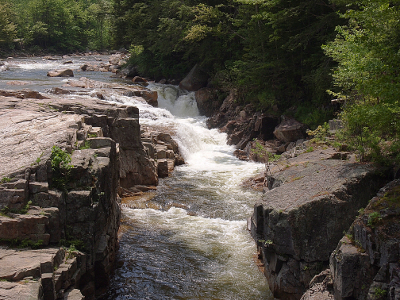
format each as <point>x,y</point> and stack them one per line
<point>242,124</point>
<point>365,263</point>
<point>207,101</point>
<point>195,80</point>
<point>45,205</point>
<point>310,200</point>
<point>114,65</point>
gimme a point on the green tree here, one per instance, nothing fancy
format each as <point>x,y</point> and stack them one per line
<point>98,21</point>
<point>282,62</point>
<point>7,26</point>
<point>367,77</point>
<point>62,25</point>
<point>269,50</point>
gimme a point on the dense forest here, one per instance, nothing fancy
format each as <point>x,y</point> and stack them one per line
<point>297,55</point>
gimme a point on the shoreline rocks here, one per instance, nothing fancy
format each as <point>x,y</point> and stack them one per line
<point>365,263</point>
<point>310,200</point>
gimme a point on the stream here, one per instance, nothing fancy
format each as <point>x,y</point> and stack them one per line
<point>191,239</point>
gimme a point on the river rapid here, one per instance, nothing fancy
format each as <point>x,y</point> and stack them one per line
<point>189,241</point>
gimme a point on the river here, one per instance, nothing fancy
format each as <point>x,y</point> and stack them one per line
<point>190,240</point>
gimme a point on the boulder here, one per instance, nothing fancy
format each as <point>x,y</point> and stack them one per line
<point>60,91</point>
<point>140,80</point>
<point>151,97</point>
<point>128,72</point>
<point>289,130</point>
<point>92,68</point>
<point>195,80</point>
<point>114,59</point>
<point>23,94</point>
<point>321,287</point>
<point>207,101</point>
<point>162,168</point>
<point>61,73</point>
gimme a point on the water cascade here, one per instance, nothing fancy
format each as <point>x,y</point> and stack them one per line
<point>197,246</point>
<point>191,241</point>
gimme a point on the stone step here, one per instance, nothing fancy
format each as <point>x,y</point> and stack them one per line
<point>37,225</point>
<point>16,265</point>
<point>50,274</point>
<point>29,289</point>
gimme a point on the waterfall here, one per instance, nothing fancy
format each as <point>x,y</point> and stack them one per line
<point>199,248</point>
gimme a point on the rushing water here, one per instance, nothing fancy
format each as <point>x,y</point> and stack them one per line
<point>191,241</point>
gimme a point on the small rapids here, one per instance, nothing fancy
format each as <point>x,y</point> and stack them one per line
<point>193,243</point>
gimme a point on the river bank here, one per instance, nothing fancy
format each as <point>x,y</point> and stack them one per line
<point>187,237</point>
<point>81,209</point>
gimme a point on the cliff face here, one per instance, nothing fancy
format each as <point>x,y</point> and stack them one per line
<point>312,199</point>
<point>44,205</point>
<point>365,263</point>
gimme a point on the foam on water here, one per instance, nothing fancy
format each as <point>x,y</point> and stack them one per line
<point>209,254</point>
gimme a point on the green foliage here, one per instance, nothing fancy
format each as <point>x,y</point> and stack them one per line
<point>373,219</point>
<point>379,292</point>
<point>85,146</point>
<point>73,245</point>
<point>38,160</point>
<point>56,25</point>
<point>367,78</point>
<point>320,134</point>
<point>393,196</point>
<point>5,179</point>
<point>370,128</point>
<point>266,242</point>
<point>269,51</point>
<point>5,211</point>
<point>61,167</point>
<point>60,159</point>
<point>313,116</point>
<point>25,243</point>
<point>309,149</point>
<point>260,151</point>
<point>8,29</point>
<point>25,209</point>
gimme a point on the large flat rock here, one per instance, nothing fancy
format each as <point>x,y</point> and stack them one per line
<point>25,290</point>
<point>298,223</point>
<point>30,127</point>
<point>18,264</point>
<point>27,129</point>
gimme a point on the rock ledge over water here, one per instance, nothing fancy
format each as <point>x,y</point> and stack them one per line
<point>312,199</point>
<point>40,209</point>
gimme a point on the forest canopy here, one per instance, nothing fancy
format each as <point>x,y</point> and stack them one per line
<point>296,55</point>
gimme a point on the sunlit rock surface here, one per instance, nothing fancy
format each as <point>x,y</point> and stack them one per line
<point>312,199</point>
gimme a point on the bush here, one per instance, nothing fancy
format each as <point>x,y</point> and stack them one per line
<point>61,167</point>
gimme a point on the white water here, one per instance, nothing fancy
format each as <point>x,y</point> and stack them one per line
<point>208,255</point>
<point>201,250</point>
